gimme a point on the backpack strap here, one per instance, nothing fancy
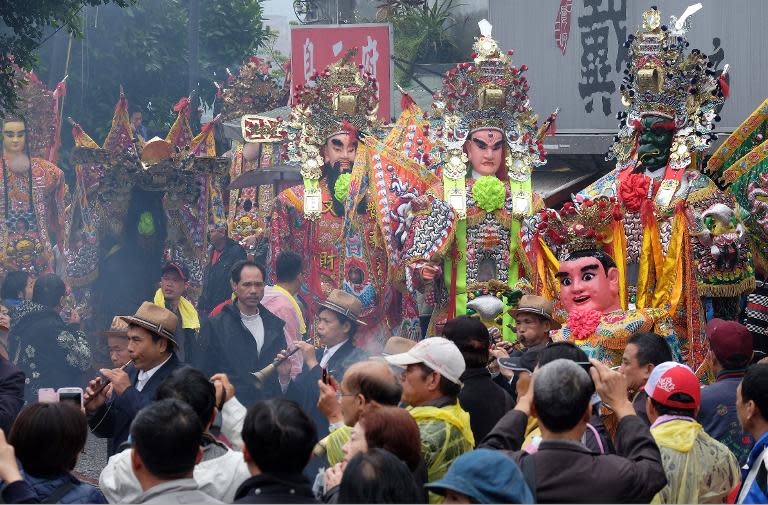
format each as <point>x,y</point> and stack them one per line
<point>59,492</point>
<point>528,468</point>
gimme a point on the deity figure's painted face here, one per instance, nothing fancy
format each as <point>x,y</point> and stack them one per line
<point>14,137</point>
<point>585,285</point>
<point>485,150</point>
<point>342,148</point>
<point>655,142</point>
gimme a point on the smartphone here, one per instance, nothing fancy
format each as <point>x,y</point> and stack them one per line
<point>72,395</point>
<point>47,395</point>
<point>325,376</point>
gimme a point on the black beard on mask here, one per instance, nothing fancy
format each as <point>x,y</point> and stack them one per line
<point>332,174</point>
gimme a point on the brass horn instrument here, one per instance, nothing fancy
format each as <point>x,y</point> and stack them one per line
<point>262,375</point>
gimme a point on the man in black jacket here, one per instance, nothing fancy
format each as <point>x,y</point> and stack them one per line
<point>337,323</point>
<point>563,469</point>
<point>244,337</point>
<point>484,400</point>
<point>151,347</point>
<point>279,438</point>
<point>223,253</point>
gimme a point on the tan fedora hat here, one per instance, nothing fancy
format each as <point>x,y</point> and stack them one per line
<point>118,328</point>
<point>538,305</point>
<point>346,304</point>
<point>397,345</point>
<point>156,319</point>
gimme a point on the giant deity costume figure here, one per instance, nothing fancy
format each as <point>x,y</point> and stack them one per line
<point>339,240</point>
<point>259,87</point>
<point>32,187</point>
<point>587,239</point>
<point>463,247</point>
<point>684,243</point>
<point>136,206</point>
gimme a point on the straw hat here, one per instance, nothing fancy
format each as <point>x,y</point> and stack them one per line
<point>538,305</point>
<point>156,319</point>
<point>346,304</point>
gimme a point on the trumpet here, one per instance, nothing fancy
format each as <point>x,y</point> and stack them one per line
<point>262,375</point>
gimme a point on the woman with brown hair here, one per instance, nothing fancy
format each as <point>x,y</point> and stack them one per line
<point>389,428</point>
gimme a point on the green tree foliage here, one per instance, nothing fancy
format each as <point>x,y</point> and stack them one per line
<point>144,49</point>
<point>422,32</point>
<point>23,24</point>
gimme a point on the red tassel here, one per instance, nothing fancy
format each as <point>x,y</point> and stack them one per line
<point>183,103</point>
<point>350,129</point>
<point>406,101</point>
<point>724,86</point>
<point>552,127</point>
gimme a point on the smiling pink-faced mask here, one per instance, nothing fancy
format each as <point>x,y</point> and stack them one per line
<point>585,286</point>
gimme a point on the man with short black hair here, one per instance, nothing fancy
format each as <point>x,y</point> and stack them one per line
<point>279,438</point>
<point>643,352</point>
<point>165,438</point>
<point>484,400</point>
<point>151,347</point>
<point>282,300</point>
<point>730,349</point>
<point>220,471</point>
<point>244,337</point>
<point>223,254</point>
<point>752,409</point>
<point>699,468</point>
<point>431,387</point>
<point>563,469</point>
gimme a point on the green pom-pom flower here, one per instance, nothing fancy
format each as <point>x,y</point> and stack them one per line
<point>489,193</point>
<point>146,224</point>
<point>341,190</point>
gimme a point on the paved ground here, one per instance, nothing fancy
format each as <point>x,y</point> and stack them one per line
<point>92,460</point>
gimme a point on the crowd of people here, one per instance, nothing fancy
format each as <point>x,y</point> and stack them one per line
<point>424,330</point>
<point>455,418</point>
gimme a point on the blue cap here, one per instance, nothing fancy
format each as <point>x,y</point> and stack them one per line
<point>486,476</point>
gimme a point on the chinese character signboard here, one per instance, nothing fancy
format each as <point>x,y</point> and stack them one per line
<point>260,129</point>
<point>577,63</point>
<point>314,47</point>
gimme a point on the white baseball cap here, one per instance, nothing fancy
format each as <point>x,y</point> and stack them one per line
<point>438,353</point>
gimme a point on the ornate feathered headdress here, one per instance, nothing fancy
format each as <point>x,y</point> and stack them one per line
<point>587,225</point>
<point>256,89</point>
<point>664,79</point>
<point>338,100</point>
<point>489,92</point>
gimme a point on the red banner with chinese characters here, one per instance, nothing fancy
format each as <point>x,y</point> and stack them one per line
<point>314,47</point>
<point>563,25</point>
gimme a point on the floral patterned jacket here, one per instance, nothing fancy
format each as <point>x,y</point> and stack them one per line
<point>51,353</point>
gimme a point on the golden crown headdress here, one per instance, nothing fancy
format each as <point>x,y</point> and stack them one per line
<point>489,92</point>
<point>587,225</point>
<point>257,88</point>
<point>664,79</point>
<point>340,99</point>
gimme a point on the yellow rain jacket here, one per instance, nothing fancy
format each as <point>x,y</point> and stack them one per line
<point>445,435</point>
<point>699,468</point>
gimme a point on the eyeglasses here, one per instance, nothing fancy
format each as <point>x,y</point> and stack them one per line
<point>339,395</point>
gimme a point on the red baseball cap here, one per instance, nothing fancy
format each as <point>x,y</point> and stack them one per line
<point>730,341</point>
<point>669,378</point>
<point>172,266</point>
